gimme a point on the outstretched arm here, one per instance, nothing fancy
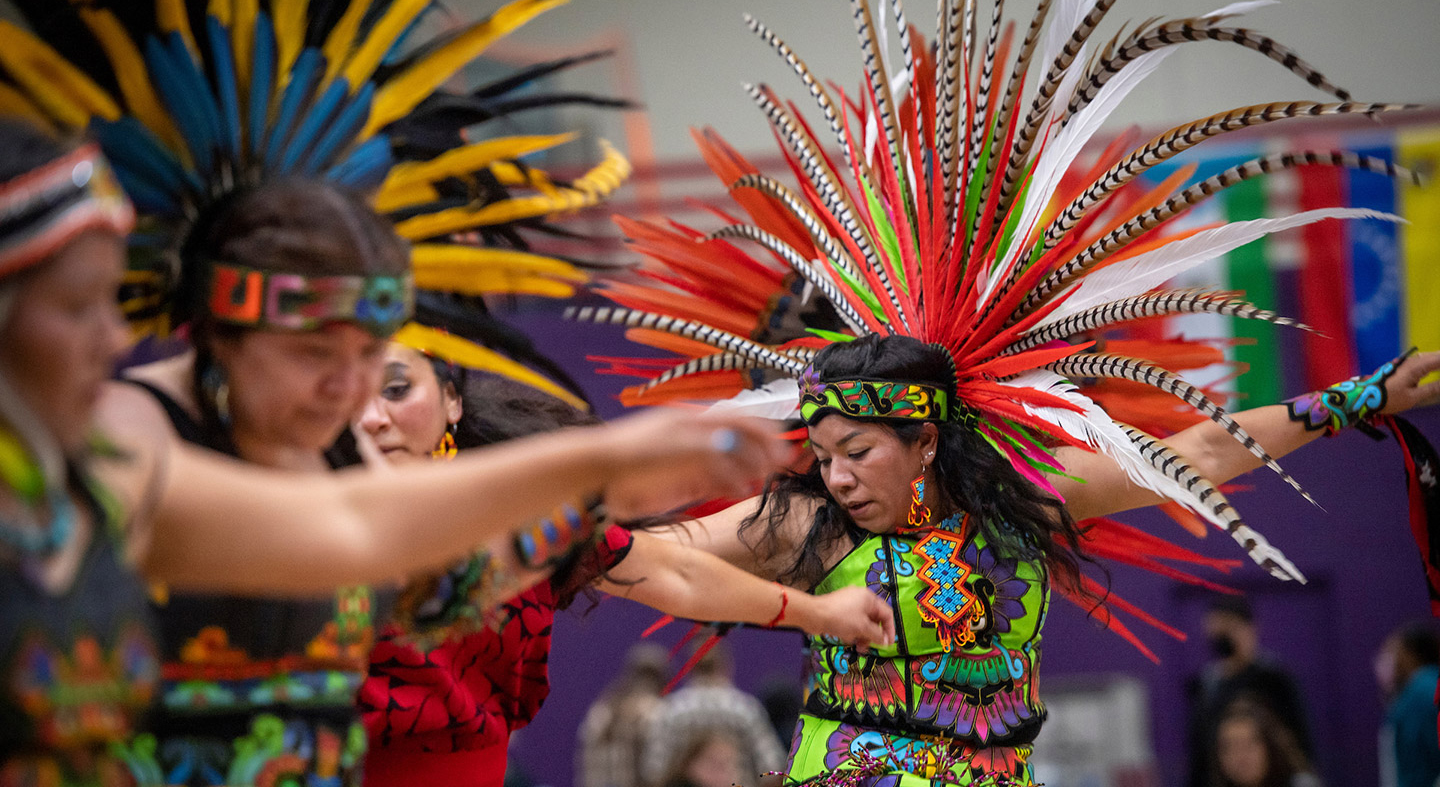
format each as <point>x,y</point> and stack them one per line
<point>689,583</point>
<point>219,524</point>
<point>1217,456</point>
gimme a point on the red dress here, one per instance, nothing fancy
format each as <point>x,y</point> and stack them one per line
<point>444,716</point>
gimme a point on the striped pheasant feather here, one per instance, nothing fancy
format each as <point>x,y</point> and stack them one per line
<point>969,206</point>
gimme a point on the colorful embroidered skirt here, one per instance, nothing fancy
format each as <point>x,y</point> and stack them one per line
<point>826,752</point>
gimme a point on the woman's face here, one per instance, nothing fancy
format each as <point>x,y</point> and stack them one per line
<point>868,469</point>
<point>1241,749</point>
<point>65,334</point>
<point>413,410</point>
<point>299,388</point>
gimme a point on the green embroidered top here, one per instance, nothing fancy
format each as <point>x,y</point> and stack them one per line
<point>984,692</point>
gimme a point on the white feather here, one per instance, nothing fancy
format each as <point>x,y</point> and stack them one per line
<point>1147,271</point>
<point>1061,152</point>
<point>1236,9</point>
<point>778,401</point>
<point>1098,430</point>
<point>1044,175</point>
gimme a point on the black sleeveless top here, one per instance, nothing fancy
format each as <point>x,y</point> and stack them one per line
<point>258,690</point>
<point>78,668</point>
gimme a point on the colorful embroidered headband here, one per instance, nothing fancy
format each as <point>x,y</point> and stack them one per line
<point>43,210</point>
<point>245,296</point>
<point>871,399</point>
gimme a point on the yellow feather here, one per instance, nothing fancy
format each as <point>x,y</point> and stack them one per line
<point>509,174</point>
<point>342,38</point>
<point>382,37</point>
<point>66,94</point>
<point>501,283</point>
<point>289,19</point>
<point>393,198</point>
<point>434,262</point>
<point>220,9</point>
<point>242,40</point>
<point>588,190</point>
<point>132,76</point>
<point>171,17</point>
<point>472,356</point>
<point>409,88</point>
<point>471,158</point>
<point>13,103</point>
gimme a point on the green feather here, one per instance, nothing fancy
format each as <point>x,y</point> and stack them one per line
<point>888,239</point>
<point>859,288</point>
<point>831,335</point>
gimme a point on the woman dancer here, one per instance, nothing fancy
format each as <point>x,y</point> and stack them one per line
<point>240,146</point>
<point>98,496</point>
<point>445,713</point>
<point>951,265</point>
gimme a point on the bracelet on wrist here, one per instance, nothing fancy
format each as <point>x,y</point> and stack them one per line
<point>1346,403</point>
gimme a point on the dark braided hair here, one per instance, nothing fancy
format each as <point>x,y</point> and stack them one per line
<point>969,474</point>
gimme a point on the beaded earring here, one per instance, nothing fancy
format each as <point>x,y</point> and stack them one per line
<point>447,449</point>
<point>919,512</point>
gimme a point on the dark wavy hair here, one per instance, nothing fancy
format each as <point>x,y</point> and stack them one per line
<point>971,476</point>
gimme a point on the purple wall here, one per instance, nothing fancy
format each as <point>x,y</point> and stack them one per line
<point>1364,573</point>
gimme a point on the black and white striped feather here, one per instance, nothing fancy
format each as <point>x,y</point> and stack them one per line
<point>1135,370</point>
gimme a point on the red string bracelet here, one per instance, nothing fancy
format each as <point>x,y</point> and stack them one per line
<point>784,602</point>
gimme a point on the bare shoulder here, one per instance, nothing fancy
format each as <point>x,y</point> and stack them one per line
<point>128,414</point>
<point>171,376</point>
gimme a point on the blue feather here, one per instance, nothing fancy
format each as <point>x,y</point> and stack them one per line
<point>366,165</point>
<point>346,125</point>
<point>127,141</point>
<point>172,81</point>
<point>262,81</point>
<point>315,122</point>
<point>393,53</point>
<point>147,198</point>
<point>222,58</point>
<point>200,93</point>
<point>303,77</point>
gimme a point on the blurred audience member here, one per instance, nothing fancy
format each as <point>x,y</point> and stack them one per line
<point>1240,670</point>
<point>711,760</point>
<point>612,736</point>
<point>1407,672</point>
<point>707,706</point>
<point>1253,749</point>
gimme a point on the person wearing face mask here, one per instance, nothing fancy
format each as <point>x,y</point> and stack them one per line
<point>1407,669</point>
<point>1239,671</point>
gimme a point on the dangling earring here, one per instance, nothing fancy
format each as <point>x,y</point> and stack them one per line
<point>919,512</point>
<point>447,449</point>
<point>216,387</point>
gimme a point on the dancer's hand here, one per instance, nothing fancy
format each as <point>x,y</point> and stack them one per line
<point>665,459</point>
<point>852,615</point>
<point>1403,390</point>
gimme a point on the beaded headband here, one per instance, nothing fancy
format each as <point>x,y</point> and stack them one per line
<point>46,208</point>
<point>249,297</point>
<point>871,399</point>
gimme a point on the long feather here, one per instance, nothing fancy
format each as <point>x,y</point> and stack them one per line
<point>1255,545</point>
<point>720,340</point>
<point>1108,365</point>
<point>401,93</point>
<point>1149,270</point>
<point>1141,307</point>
